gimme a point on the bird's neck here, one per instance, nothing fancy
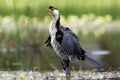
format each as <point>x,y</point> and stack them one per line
<point>54,27</point>
<point>56,22</point>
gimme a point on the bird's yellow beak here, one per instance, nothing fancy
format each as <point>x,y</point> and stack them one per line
<point>50,11</point>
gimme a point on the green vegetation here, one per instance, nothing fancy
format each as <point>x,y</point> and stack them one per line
<point>38,8</point>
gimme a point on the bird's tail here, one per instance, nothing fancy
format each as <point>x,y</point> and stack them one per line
<point>96,63</point>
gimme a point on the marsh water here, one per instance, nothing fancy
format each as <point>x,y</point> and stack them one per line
<point>36,56</point>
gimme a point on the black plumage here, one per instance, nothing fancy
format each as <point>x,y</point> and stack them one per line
<point>70,45</point>
<point>59,36</point>
<point>48,42</point>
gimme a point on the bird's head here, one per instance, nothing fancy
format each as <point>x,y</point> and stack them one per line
<point>54,12</point>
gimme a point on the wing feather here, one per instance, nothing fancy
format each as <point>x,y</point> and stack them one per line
<point>70,45</point>
<point>47,42</point>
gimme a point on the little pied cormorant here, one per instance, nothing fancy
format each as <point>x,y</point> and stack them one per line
<point>65,43</point>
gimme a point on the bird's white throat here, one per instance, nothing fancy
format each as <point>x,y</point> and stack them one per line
<point>52,29</point>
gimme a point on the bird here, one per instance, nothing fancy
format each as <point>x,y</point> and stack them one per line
<point>66,44</point>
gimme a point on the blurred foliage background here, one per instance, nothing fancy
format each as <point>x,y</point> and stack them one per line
<point>35,8</point>
<point>24,29</point>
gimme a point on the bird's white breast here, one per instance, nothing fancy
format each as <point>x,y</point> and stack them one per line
<point>54,43</point>
<point>52,30</point>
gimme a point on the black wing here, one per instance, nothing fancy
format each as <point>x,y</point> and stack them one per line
<point>47,42</point>
<point>70,44</point>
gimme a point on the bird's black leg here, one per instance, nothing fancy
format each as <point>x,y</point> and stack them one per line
<point>65,65</point>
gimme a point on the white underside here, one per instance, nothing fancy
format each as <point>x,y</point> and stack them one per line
<point>56,45</point>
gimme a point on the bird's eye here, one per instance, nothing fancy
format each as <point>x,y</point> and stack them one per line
<point>52,9</point>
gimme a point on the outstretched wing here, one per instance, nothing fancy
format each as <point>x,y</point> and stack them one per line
<point>70,45</point>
